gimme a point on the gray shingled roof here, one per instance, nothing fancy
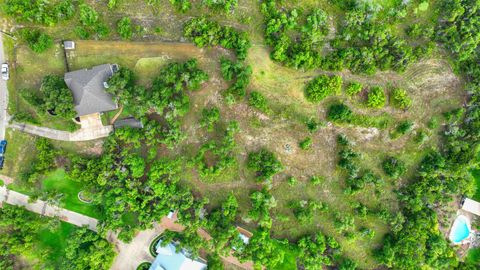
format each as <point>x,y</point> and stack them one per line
<point>87,86</point>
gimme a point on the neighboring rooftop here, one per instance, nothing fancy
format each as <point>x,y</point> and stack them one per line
<point>88,89</point>
<point>128,122</point>
<point>471,206</point>
<point>169,259</point>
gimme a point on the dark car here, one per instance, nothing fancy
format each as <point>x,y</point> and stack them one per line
<point>1,162</point>
<point>3,147</point>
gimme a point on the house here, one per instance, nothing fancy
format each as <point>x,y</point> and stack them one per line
<point>169,259</point>
<point>88,89</point>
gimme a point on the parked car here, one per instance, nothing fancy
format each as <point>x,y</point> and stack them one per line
<point>3,147</point>
<point>1,162</point>
<point>5,72</point>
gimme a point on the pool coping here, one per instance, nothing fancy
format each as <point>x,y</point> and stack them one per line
<point>468,238</point>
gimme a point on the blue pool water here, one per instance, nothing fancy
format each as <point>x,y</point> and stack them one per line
<point>460,230</point>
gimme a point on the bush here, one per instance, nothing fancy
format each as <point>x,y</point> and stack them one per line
<point>209,118</point>
<point>181,5</point>
<point>323,86</point>
<point>316,180</point>
<point>257,100</point>
<point>292,181</point>
<point>376,98</point>
<point>400,99</point>
<point>393,167</point>
<point>340,113</point>
<point>306,143</point>
<point>124,28</point>
<point>264,163</point>
<point>204,32</point>
<point>36,40</point>
<point>402,128</point>
<point>353,88</point>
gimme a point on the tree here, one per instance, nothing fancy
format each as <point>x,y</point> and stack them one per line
<point>39,11</point>
<point>376,97</point>
<point>264,163</point>
<point>87,250</point>
<point>323,86</point>
<point>125,28</point>
<point>37,40</point>
<point>393,167</point>
<point>57,97</point>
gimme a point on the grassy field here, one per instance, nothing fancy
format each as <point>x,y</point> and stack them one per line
<point>59,182</point>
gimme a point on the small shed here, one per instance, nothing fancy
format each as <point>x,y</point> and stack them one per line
<point>471,206</point>
<point>128,122</point>
<point>69,45</point>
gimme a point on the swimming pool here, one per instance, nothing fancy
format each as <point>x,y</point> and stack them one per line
<point>460,229</point>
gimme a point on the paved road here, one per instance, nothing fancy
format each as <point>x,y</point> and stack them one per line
<point>42,208</point>
<point>3,94</point>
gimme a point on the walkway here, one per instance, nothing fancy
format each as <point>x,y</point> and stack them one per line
<point>83,134</point>
<point>130,255</point>
<point>45,209</point>
<point>3,95</point>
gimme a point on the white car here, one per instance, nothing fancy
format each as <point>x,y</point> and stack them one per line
<point>5,75</point>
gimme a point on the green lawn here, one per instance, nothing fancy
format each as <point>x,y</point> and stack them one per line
<point>59,181</point>
<point>56,241</point>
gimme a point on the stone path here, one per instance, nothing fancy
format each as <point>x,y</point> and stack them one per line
<point>45,209</point>
<point>83,134</point>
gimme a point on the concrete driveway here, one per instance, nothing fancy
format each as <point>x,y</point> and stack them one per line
<point>3,94</point>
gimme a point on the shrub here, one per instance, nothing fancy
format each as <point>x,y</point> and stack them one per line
<point>404,127</point>
<point>316,180</point>
<point>339,112</point>
<point>181,5</point>
<point>209,118</point>
<point>400,99</point>
<point>393,167</point>
<point>323,86</point>
<point>376,98</point>
<point>124,28</point>
<point>36,40</point>
<point>312,125</point>
<point>353,88</point>
<point>264,163</point>
<point>257,100</point>
<point>306,143</point>
<point>292,181</point>
<point>204,32</point>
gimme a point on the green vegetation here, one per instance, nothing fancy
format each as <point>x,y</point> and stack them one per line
<point>36,40</point>
<point>57,98</point>
<point>125,28</point>
<point>376,98</point>
<point>264,163</point>
<point>49,243</point>
<point>203,33</point>
<point>221,175</point>
<point>353,88</point>
<point>400,99</point>
<point>323,86</point>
